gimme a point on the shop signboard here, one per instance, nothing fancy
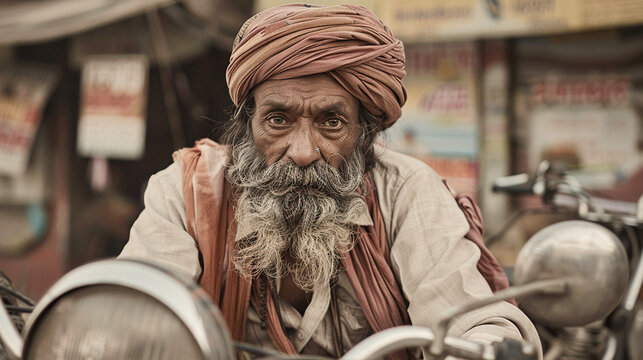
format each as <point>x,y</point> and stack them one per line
<point>577,103</point>
<point>431,20</point>
<point>418,20</point>
<point>585,123</point>
<point>112,109</point>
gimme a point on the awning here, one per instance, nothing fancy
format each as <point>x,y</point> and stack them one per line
<point>36,21</point>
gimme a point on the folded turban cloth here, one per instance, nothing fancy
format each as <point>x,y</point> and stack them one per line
<point>347,42</point>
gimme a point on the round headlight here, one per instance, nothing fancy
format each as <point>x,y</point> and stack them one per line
<point>592,260</point>
<point>122,309</point>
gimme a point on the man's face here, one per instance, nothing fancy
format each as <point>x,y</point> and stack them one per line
<point>300,201</point>
<point>294,116</point>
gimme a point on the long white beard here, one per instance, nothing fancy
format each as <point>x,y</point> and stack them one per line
<point>295,209</point>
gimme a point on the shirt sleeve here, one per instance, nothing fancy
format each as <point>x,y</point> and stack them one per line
<point>159,234</point>
<point>437,266</point>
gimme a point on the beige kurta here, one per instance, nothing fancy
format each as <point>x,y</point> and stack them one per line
<point>433,262</point>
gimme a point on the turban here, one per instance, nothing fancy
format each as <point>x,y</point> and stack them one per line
<point>347,42</point>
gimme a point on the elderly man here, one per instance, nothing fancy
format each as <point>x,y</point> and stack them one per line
<point>305,233</point>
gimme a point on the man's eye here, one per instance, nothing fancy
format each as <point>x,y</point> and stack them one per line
<point>333,123</point>
<point>277,120</point>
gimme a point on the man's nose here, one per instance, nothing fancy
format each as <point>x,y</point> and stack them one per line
<point>302,148</point>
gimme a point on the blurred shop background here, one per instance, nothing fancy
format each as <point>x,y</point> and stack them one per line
<point>96,95</point>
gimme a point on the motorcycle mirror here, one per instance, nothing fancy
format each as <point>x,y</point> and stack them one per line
<point>591,259</point>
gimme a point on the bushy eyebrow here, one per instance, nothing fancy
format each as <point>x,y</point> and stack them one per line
<point>276,105</point>
<point>326,107</point>
<point>337,108</point>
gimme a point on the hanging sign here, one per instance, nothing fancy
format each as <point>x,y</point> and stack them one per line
<point>24,90</point>
<point>112,109</point>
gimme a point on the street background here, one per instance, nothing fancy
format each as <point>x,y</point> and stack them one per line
<point>94,98</point>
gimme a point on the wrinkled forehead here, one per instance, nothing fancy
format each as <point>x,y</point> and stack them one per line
<point>319,93</point>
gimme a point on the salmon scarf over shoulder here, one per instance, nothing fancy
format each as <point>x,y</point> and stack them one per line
<point>210,221</point>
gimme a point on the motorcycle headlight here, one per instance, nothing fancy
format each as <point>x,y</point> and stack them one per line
<point>591,259</point>
<point>120,309</point>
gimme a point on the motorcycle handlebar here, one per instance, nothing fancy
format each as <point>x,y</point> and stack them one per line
<point>526,189</point>
<point>401,337</point>
<point>514,184</point>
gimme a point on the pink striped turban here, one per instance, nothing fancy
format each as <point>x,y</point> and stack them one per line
<point>346,41</point>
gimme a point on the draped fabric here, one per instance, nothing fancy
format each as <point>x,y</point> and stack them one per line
<point>348,42</point>
<point>210,221</point>
<point>487,265</point>
<point>209,208</point>
<point>368,269</point>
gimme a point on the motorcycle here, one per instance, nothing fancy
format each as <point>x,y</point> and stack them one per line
<point>618,336</point>
<point>115,309</point>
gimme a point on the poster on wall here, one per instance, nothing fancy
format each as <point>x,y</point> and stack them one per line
<point>578,103</point>
<point>112,109</point>
<point>439,121</point>
<point>583,123</point>
<point>24,89</point>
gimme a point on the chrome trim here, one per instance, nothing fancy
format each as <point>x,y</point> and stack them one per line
<point>610,348</point>
<point>634,290</point>
<point>9,335</point>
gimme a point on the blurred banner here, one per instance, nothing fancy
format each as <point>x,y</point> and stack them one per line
<point>422,20</point>
<point>24,155</point>
<point>583,123</point>
<point>569,112</point>
<point>439,120</point>
<point>579,104</point>
<point>24,89</point>
<point>112,109</point>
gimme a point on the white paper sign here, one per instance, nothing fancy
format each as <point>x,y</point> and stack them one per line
<point>112,110</point>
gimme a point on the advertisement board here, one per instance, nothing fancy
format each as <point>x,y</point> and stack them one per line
<point>439,120</point>
<point>431,20</point>
<point>583,123</point>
